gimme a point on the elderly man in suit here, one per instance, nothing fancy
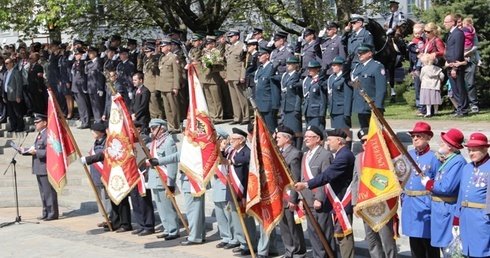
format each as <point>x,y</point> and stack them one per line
<point>13,96</point>
<point>454,55</point>
<point>339,176</point>
<point>140,104</point>
<point>235,77</point>
<point>316,160</point>
<point>49,197</point>
<point>165,158</point>
<point>291,232</point>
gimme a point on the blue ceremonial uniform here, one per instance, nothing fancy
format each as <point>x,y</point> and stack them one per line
<point>278,58</point>
<point>331,47</point>
<point>446,185</point>
<point>315,103</point>
<point>167,155</point>
<point>339,96</point>
<point>416,199</point>
<point>291,96</point>
<point>79,90</point>
<point>353,39</point>
<point>95,82</point>
<point>309,52</point>
<point>125,71</point>
<point>267,96</point>
<point>474,223</point>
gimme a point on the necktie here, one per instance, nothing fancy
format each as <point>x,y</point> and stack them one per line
<point>391,20</point>
<point>308,158</point>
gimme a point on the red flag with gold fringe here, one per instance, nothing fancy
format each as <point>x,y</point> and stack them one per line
<point>268,179</point>
<point>60,150</point>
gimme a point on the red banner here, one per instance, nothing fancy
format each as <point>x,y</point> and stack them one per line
<point>60,150</point>
<point>267,180</point>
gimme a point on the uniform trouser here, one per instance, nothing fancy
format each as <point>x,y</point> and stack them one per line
<point>292,236</point>
<point>39,100</point>
<point>166,211</point>
<point>469,79</point>
<point>326,225</point>
<point>239,101</point>
<point>98,105</point>
<point>195,217</point>
<point>421,248</point>
<point>156,107</point>
<point>318,121</point>
<point>226,98</point>
<point>121,215</point>
<point>364,120</point>
<point>270,120</point>
<point>266,244</point>
<point>59,93</point>
<point>346,242</point>
<point>49,197</point>
<point>172,112</point>
<point>213,99</point>
<point>460,93</point>
<point>240,232</point>
<point>16,113</point>
<point>183,101</point>
<point>105,200</point>
<point>143,209</point>
<point>382,243</point>
<point>83,107</point>
<point>223,217</point>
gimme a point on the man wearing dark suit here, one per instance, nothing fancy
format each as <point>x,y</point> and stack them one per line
<point>13,96</point>
<point>79,87</point>
<point>291,232</point>
<point>267,95</point>
<point>95,84</point>
<point>316,160</point>
<point>140,104</point>
<point>339,176</point>
<point>454,54</point>
<point>49,197</point>
<point>35,85</point>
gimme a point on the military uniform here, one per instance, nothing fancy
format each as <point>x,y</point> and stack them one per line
<point>151,73</point>
<point>315,101</point>
<point>279,56</point>
<point>95,86</point>
<point>168,80</point>
<point>125,71</point>
<point>308,51</point>
<point>210,78</point>
<point>291,98</point>
<point>79,90</point>
<point>267,95</point>
<point>338,95</point>
<point>331,47</point>
<point>235,70</point>
<point>351,40</point>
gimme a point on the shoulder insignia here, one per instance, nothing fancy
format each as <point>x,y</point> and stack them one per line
<point>383,71</point>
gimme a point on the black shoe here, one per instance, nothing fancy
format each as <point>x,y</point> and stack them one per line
<point>146,232</point>
<point>261,256</point>
<point>244,123</point>
<point>221,245</point>
<point>235,123</point>
<point>273,254</point>
<point>167,238</point>
<point>136,231</point>
<point>245,252</point>
<point>121,230</point>
<point>49,219</point>
<point>19,130</point>
<point>188,242</point>
<point>164,235</point>
<point>237,250</point>
<point>83,127</point>
<point>230,246</point>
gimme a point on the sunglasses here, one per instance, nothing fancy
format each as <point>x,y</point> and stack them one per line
<point>427,31</point>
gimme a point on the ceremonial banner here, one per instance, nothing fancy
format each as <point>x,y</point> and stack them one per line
<point>267,180</point>
<point>402,166</point>
<point>199,158</point>
<point>60,150</point>
<point>379,188</point>
<point>120,168</point>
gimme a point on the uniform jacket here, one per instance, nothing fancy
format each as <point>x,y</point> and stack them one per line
<point>339,175</point>
<point>14,86</point>
<point>352,41</point>
<point>125,71</point>
<point>291,92</point>
<point>331,47</point>
<point>211,73</point>
<point>241,162</point>
<point>151,71</point>
<point>319,162</point>
<point>64,65</point>
<point>278,58</point>
<point>235,58</point>
<point>308,52</point>
<point>169,73</point>
<point>133,57</point>
<point>339,95</point>
<point>79,78</point>
<point>293,158</point>
<point>373,81</point>
<point>53,70</point>
<point>140,104</point>
<point>39,160</point>
<point>122,90</point>
<point>315,96</point>
<point>168,156</point>
<point>99,147</point>
<point>252,65</point>
<point>95,77</point>
<point>267,96</point>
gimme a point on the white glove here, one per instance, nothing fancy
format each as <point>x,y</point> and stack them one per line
<point>424,180</point>
<point>100,93</point>
<point>270,43</point>
<point>244,49</point>
<point>84,91</point>
<point>248,37</point>
<point>455,231</point>
<point>389,31</point>
<point>102,55</point>
<point>322,33</point>
<point>82,160</point>
<point>300,38</point>
<point>130,95</point>
<point>107,43</point>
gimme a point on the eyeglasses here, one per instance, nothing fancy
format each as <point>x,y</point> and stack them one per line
<point>427,31</point>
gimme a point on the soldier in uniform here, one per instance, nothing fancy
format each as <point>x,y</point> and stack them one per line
<point>291,232</point>
<point>165,157</point>
<point>371,75</point>
<point>235,77</point>
<point>177,49</point>
<point>110,63</point>
<point>308,48</point>
<point>415,211</point>
<point>251,65</point>
<point>168,83</point>
<point>315,95</point>
<point>331,46</point>
<point>257,34</point>
<point>95,84</point>
<point>355,34</point>
<point>118,88</point>
<point>472,200</point>
<point>79,87</point>
<point>225,90</point>
<point>396,17</point>
<point>291,98</point>
<point>339,94</point>
<point>125,70</point>
<point>316,160</point>
<point>65,78</point>
<point>267,95</point>
<point>133,51</point>
<point>139,63</point>
<point>49,197</point>
<point>212,63</point>
<point>281,53</point>
<point>445,188</point>
<point>54,79</point>
<point>151,73</point>
<point>36,87</point>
